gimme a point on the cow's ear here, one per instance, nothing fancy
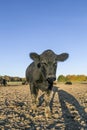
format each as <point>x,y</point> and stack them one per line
<point>62,56</point>
<point>34,56</point>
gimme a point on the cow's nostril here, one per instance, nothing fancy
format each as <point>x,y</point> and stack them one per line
<point>51,79</point>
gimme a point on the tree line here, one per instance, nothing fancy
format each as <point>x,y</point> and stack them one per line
<point>72,78</point>
<point>61,78</point>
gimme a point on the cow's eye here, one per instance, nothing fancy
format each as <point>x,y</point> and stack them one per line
<point>38,65</point>
<point>44,63</point>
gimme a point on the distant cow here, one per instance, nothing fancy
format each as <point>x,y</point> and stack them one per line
<point>69,83</point>
<point>3,82</point>
<point>41,73</point>
<point>0,82</point>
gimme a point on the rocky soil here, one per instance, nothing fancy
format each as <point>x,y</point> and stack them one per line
<point>68,107</point>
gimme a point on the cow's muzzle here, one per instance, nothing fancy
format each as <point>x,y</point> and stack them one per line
<point>50,79</point>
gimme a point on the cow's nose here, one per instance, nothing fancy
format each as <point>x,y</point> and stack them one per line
<point>51,79</point>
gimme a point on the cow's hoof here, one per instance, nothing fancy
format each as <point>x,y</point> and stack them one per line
<point>47,112</point>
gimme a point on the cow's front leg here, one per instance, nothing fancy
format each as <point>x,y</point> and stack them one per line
<point>34,97</point>
<point>47,103</point>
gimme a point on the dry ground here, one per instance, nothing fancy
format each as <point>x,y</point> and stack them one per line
<point>68,107</point>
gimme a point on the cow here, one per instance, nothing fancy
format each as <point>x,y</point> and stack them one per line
<point>3,82</point>
<point>41,74</point>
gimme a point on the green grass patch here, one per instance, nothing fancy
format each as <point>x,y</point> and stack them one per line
<point>14,83</point>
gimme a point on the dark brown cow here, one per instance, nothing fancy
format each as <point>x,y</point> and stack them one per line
<point>41,73</point>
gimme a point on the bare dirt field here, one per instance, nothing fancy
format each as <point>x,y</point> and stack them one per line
<point>68,107</point>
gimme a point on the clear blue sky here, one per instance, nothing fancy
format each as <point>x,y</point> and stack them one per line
<point>36,25</point>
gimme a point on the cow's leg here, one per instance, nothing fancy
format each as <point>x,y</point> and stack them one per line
<point>34,96</point>
<point>47,103</point>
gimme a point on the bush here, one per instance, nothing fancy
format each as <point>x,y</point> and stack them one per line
<point>61,78</point>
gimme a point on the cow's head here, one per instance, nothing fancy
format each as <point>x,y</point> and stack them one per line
<point>47,63</point>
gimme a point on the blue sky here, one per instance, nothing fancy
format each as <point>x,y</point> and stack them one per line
<point>36,25</point>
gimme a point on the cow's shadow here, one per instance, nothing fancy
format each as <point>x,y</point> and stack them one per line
<point>64,98</point>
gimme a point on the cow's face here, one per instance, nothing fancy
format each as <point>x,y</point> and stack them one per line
<point>47,63</point>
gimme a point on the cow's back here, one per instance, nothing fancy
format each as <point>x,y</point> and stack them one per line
<point>29,72</point>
